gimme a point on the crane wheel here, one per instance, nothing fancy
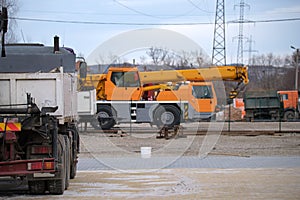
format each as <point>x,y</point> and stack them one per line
<point>104,118</point>
<point>166,116</point>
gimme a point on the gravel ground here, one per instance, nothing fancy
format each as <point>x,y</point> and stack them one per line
<point>277,144</point>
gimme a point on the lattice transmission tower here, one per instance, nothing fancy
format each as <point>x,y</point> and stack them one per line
<point>240,37</point>
<point>219,54</point>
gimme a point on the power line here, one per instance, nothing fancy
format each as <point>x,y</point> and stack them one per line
<point>134,10</point>
<point>108,23</point>
<point>150,24</point>
<point>149,15</point>
<point>160,16</point>
<point>264,21</point>
<point>196,6</point>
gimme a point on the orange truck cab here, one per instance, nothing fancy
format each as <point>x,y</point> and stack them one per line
<point>123,84</point>
<point>290,99</point>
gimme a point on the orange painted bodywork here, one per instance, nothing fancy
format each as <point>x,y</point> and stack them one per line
<point>185,93</point>
<point>125,86</point>
<point>289,99</point>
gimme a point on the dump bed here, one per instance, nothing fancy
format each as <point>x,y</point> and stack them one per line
<point>47,89</point>
<point>261,100</point>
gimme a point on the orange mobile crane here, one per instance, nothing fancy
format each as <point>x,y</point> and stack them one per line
<point>121,95</point>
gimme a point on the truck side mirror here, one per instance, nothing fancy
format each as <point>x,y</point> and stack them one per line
<point>82,69</point>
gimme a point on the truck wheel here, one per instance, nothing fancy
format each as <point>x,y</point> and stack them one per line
<point>166,115</point>
<point>36,187</point>
<point>73,167</point>
<point>67,161</point>
<point>74,150</point>
<point>289,115</point>
<point>58,186</point>
<point>105,118</point>
<point>73,170</point>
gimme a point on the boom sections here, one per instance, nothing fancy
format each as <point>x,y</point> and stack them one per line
<point>225,73</point>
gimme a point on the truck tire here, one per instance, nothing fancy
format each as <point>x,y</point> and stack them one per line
<point>73,171</point>
<point>104,118</point>
<point>67,161</point>
<point>36,187</point>
<point>57,186</point>
<point>166,115</point>
<point>289,115</point>
<point>74,150</point>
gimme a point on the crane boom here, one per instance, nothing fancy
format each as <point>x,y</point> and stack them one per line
<point>226,73</point>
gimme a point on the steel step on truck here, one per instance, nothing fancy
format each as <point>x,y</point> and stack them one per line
<point>39,141</point>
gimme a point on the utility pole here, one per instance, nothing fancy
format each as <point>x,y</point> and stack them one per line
<point>297,67</point>
<point>240,37</point>
<point>219,54</point>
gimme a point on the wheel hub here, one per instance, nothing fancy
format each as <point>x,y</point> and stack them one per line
<point>167,118</point>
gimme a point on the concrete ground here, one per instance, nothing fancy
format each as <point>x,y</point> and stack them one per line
<point>258,183</point>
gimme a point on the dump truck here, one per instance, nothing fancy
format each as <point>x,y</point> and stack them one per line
<point>121,95</point>
<point>39,141</point>
<point>271,104</point>
<point>263,105</point>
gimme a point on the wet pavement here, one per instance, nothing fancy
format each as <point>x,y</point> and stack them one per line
<point>220,162</point>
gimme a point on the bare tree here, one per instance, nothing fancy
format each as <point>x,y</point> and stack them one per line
<point>143,59</point>
<point>158,55</point>
<point>270,59</point>
<point>13,8</point>
<point>270,72</point>
<point>287,60</point>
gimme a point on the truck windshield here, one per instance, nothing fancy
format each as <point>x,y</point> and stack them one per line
<point>126,79</point>
<point>202,92</point>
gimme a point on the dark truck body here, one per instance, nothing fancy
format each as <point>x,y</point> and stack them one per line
<point>264,105</point>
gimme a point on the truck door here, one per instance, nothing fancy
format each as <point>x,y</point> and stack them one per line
<point>127,85</point>
<point>203,98</point>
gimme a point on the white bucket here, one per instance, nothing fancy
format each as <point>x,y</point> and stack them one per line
<point>146,152</point>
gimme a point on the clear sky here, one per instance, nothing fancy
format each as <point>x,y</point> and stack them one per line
<point>108,16</point>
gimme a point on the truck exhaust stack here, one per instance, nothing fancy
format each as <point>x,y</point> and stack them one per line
<point>56,44</point>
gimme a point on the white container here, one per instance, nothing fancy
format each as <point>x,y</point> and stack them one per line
<point>146,152</point>
<point>47,90</point>
<point>86,102</point>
